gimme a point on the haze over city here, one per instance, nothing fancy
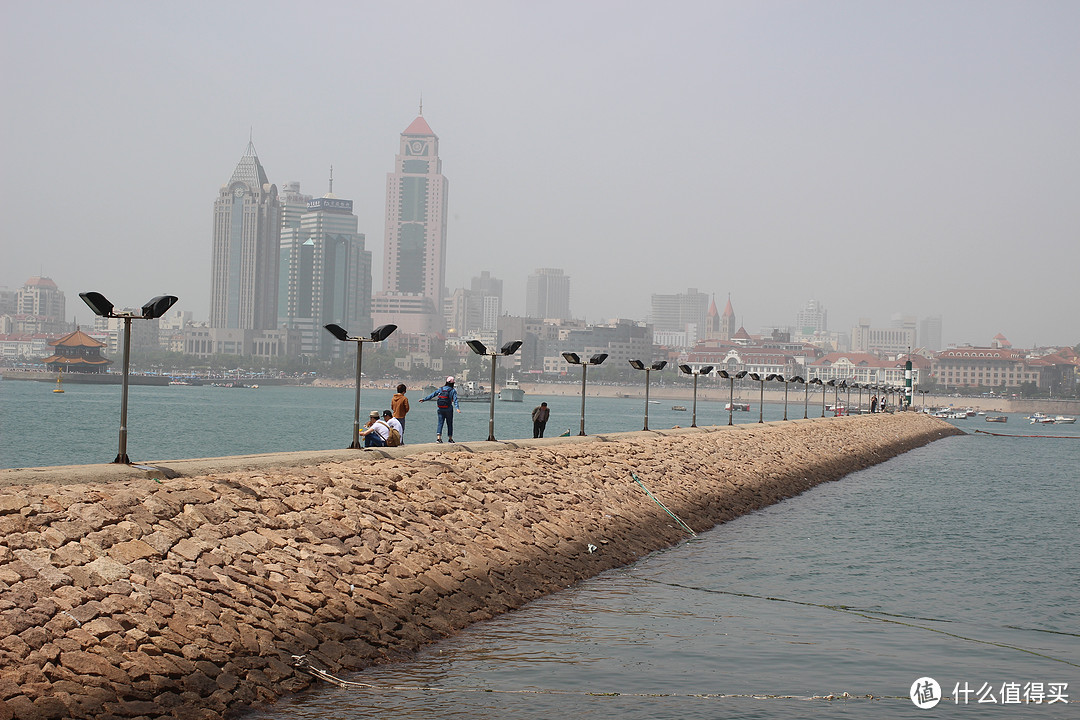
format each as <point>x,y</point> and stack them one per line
<point>915,158</point>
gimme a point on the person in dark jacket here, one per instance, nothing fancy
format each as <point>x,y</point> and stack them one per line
<point>540,416</point>
<point>446,402</point>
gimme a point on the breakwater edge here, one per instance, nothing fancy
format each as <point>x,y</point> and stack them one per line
<point>188,595</point>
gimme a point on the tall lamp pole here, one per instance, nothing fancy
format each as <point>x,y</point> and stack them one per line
<point>152,310</point>
<point>638,365</point>
<point>575,359</point>
<point>480,349</point>
<point>731,388</point>
<point>817,381</point>
<point>377,335</point>
<point>690,371</point>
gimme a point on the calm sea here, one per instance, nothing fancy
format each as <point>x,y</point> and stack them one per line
<point>81,425</point>
<point>958,561</point>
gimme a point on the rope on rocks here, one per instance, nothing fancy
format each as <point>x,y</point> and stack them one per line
<point>302,664</point>
<point>684,525</point>
<point>1057,437</point>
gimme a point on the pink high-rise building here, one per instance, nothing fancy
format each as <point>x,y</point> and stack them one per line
<point>414,267</point>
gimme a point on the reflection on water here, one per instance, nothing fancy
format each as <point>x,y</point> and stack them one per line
<point>959,560</point>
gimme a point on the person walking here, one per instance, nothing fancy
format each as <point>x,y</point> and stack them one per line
<point>446,402</point>
<point>400,406</point>
<point>873,404</point>
<point>540,416</point>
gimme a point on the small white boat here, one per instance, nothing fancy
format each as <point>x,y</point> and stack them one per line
<point>1064,420</point>
<point>681,408</point>
<point>1040,419</point>
<point>740,406</point>
<point>511,391</point>
<point>997,418</point>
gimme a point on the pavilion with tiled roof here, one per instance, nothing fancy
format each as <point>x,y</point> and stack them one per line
<point>77,352</point>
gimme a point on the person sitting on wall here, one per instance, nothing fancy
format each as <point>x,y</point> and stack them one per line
<point>376,431</point>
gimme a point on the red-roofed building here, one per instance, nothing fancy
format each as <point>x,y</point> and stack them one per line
<point>985,366</point>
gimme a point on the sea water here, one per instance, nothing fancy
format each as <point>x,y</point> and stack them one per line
<point>81,425</point>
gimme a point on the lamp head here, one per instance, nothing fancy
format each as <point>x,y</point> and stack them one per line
<point>98,303</point>
<point>637,364</point>
<point>755,376</point>
<point>511,347</point>
<point>705,370</point>
<point>659,365</point>
<point>797,379</point>
<point>831,382</point>
<point>686,369</point>
<point>774,376</point>
<point>598,358</point>
<point>382,332</point>
<point>740,375</point>
<point>477,347</point>
<point>724,374</point>
<point>572,358</point>
<point>158,306</point>
<point>337,331</point>
<point>815,381</point>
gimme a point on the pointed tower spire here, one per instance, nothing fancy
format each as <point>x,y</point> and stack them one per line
<point>331,190</point>
<point>421,104</point>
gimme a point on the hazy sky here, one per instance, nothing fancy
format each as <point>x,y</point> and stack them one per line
<point>883,157</point>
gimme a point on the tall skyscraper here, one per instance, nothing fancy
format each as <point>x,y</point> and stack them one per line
<point>414,269</point>
<point>325,273</point>
<point>244,266</point>
<point>547,294</point>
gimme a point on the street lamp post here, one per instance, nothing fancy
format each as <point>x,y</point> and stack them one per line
<point>480,349</point>
<point>638,365</point>
<point>575,359</point>
<point>152,310</point>
<point>817,381</point>
<point>786,382</point>
<point>761,398</point>
<point>377,335</point>
<point>731,388</point>
<point>690,371</point>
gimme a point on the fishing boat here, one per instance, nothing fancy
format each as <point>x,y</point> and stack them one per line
<point>997,418</point>
<point>511,391</point>
<point>737,405</point>
<point>1040,419</point>
<point>680,408</point>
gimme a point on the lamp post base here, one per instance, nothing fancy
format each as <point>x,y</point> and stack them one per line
<point>122,459</point>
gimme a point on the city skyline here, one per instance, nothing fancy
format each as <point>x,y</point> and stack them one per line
<point>882,159</point>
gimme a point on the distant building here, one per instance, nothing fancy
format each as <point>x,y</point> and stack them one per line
<point>885,341</point>
<point>969,366</point>
<point>812,320</point>
<point>414,266</point>
<point>244,264</point>
<point>547,294</point>
<point>930,333</point>
<point>77,352</point>
<point>676,313</point>
<point>325,275</point>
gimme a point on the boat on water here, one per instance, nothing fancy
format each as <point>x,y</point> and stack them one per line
<point>997,418</point>
<point>1064,420</point>
<point>1040,419</point>
<point>511,391</point>
<point>740,406</point>
<point>680,408</point>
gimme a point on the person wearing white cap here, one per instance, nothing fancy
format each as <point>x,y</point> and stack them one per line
<point>446,402</point>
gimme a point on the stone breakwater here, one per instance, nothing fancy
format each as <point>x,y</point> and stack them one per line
<point>188,596</point>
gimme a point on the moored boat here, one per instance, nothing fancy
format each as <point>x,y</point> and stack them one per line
<point>681,408</point>
<point>740,406</point>
<point>1064,420</point>
<point>997,418</point>
<point>511,391</point>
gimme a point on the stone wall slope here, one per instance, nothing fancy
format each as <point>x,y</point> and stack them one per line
<point>188,596</point>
